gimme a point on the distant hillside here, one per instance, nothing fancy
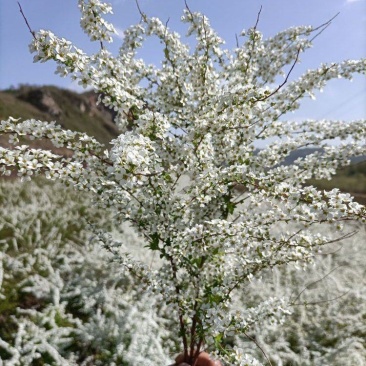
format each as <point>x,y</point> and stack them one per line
<point>350,179</point>
<point>301,153</point>
<point>77,112</point>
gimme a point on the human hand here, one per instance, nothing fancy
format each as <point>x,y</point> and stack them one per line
<point>203,359</point>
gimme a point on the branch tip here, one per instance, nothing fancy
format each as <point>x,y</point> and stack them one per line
<point>143,15</point>
<point>258,17</point>
<point>26,21</point>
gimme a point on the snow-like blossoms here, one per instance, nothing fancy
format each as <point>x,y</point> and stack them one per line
<point>92,22</point>
<point>185,172</point>
<point>62,301</point>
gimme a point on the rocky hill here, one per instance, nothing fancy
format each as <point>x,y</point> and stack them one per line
<point>78,112</point>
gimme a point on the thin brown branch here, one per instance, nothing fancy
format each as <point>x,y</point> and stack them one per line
<point>166,30</point>
<point>313,283</point>
<point>107,162</point>
<point>286,79</point>
<point>198,350</point>
<point>26,21</point>
<point>143,15</point>
<point>258,17</point>
<point>181,319</point>
<point>331,253</point>
<point>237,40</point>
<point>326,23</point>
<point>321,301</point>
<point>257,344</point>
<point>187,7</point>
<point>322,27</point>
<point>193,332</point>
<point>345,236</point>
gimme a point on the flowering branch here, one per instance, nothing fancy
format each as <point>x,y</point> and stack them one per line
<point>188,134</point>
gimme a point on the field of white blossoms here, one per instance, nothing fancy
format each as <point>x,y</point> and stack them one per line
<point>63,303</point>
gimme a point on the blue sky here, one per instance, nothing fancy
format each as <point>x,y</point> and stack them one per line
<point>344,39</point>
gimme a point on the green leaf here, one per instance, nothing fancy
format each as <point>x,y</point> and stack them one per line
<point>259,252</point>
<point>154,243</point>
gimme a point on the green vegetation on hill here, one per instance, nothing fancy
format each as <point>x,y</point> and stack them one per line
<point>11,106</point>
<point>350,179</point>
<point>77,112</point>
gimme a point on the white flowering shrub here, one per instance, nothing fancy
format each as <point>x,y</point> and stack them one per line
<point>62,301</point>
<point>188,132</point>
<point>327,322</point>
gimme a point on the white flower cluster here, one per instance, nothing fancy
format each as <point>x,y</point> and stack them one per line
<point>97,28</point>
<point>196,119</point>
<point>239,358</point>
<point>238,322</point>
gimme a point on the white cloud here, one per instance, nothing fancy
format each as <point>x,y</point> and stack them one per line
<point>352,1</point>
